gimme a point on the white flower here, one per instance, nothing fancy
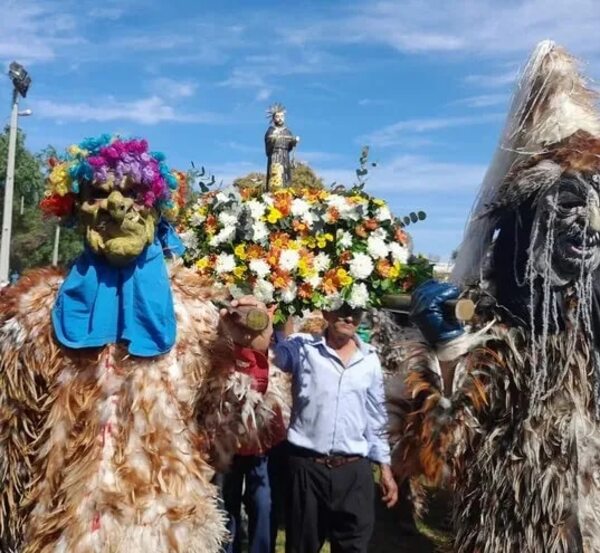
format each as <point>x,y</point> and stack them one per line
<point>189,239</point>
<point>256,209</point>
<point>333,302</point>
<point>288,260</point>
<point>225,263</point>
<point>314,280</point>
<point>197,219</point>
<point>377,247</point>
<point>236,292</point>
<point>300,207</point>
<point>228,218</point>
<point>322,262</point>
<point>224,235</point>
<point>344,238</point>
<point>288,295</point>
<point>399,253</point>
<point>308,219</point>
<point>263,291</point>
<point>259,267</point>
<point>383,213</point>
<point>259,231</point>
<point>361,266</point>
<point>359,297</point>
<point>380,233</point>
<point>220,197</point>
<point>346,209</point>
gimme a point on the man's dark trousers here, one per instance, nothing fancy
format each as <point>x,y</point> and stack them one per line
<point>252,471</point>
<point>334,503</point>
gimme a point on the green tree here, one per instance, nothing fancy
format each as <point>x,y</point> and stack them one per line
<point>29,179</point>
<point>303,176</point>
<point>32,239</point>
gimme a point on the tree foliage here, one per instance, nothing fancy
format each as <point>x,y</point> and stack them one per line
<point>32,238</point>
<point>303,176</point>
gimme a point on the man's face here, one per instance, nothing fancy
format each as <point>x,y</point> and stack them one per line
<point>116,226</point>
<point>279,119</point>
<point>343,321</point>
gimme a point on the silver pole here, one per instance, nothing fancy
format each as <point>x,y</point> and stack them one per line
<point>56,242</point>
<point>22,205</point>
<point>8,193</point>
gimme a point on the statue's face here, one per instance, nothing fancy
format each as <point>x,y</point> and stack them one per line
<point>279,118</point>
<point>566,245</point>
<point>116,226</point>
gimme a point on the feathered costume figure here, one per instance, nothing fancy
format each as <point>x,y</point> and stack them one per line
<point>508,411</point>
<point>116,380</point>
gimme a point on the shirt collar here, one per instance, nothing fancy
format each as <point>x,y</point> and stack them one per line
<point>364,348</point>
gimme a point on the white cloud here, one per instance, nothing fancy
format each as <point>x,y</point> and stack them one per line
<point>472,26</point>
<point>494,80</point>
<point>395,133</point>
<point>147,111</point>
<point>172,88</point>
<point>483,100</point>
<point>263,94</point>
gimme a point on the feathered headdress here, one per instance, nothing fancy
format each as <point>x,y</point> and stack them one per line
<point>551,105</point>
<point>275,108</point>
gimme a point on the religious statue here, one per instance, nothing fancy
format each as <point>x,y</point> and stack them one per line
<point>279,142</point>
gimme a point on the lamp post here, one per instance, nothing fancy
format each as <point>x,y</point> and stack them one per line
<point>21,81</point>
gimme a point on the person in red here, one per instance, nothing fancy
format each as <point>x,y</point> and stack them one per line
<point>248,478</point>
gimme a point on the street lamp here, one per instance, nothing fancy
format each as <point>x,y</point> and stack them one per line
<point>21,82</point>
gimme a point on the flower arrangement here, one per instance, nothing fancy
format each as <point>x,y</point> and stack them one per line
<point>127,164</point>
<point>301,248</point>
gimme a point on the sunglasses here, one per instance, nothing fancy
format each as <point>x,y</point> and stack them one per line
<point>347,312</point>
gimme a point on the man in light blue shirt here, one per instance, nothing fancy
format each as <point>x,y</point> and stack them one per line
<point>337,429</point>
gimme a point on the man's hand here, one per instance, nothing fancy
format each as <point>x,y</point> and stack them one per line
<point>389,488</point>
<point>241,334</point>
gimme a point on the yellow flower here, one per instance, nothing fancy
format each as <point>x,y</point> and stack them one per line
<point>378,202</point>
<point>203,210</point>
<point>239,271</point>
<point>305,270</point>
<point>59,179</point>
<point>309,242</point>
<point>274,215</point>
<point>240,251</point>
<point>322,239</point>
<point>75,150</point>
<point>394,271</point>
<point>202,263</point>
<point>344,278</point>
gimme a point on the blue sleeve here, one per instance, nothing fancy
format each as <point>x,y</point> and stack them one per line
<point>287,354</point>
<point>377,419</point>
<point>169,240</point>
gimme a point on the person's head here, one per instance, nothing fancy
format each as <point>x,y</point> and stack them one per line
<point>343,322</point>
<point>277,114</point>
<point>279,118</point>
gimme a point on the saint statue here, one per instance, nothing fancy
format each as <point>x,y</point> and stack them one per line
<point>279,142</point>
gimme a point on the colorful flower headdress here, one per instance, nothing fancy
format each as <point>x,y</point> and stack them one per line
<point>98,160</point>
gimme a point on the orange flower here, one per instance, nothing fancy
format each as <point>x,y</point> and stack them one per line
<point>210,224</point>
<point>283,202</point>
<point>281,279</point>
<point>383,267</point>
<point>371,224</point>
<point>401,236</point>
<point>254,251</point>
<point>279,240</point>
<point>273,257</point>
<point>332,215</point>
<point>360,231</point>
<point>345,257</point>
<point>299,226</point>
<point>305,291</point>
<point>330,283</point>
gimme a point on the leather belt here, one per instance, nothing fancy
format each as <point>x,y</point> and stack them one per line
<point>335,461</point>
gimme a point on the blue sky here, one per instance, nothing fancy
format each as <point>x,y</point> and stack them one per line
<point>424,83</point>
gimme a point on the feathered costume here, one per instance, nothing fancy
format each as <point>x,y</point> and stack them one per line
<point>517,430</point>
<point>103,451</point>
